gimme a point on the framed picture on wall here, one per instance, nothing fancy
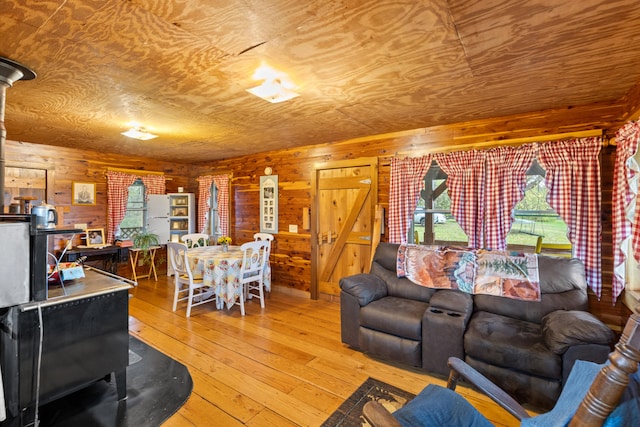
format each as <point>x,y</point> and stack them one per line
<point>269,204</point>
<point>83,193</point>
<point>95,237</point>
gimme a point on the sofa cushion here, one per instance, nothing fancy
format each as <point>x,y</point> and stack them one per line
<point>401,286</point>
<point>540,393</point>
<point>390,347</point>
<point>562,329</point>
<point>511,343</point>
<point>396,316</point>
<point>386,255</point>
<point>364,287</point>
<point>559,274</point>
<point>563,286</point>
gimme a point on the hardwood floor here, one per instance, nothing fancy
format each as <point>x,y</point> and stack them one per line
<point>281,366</point>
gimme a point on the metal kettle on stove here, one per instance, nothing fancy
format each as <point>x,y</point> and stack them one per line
<point>46,215</point>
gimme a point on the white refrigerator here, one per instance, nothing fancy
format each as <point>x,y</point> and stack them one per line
<point>171,215</point>
<point>158,216</point>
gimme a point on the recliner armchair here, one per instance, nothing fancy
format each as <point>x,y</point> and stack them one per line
<point>613,399</point>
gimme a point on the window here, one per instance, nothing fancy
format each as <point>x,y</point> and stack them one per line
<point>632,267</point>
<point>432,222</point>
<point>214,213</point>
<point>535,219</point>
<point>134,219</point>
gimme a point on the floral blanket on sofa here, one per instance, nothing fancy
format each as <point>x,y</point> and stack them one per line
<point>475,271</point>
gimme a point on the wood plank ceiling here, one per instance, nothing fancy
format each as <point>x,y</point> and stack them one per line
<point>362,67</point>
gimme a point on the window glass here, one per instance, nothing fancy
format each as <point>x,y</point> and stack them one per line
<point>134,218</point>
<point>214,215</point>
<point>632,285</point>
<point>535,219</point>
<point>432,222</point>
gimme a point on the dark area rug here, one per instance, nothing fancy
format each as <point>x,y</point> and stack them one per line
<point>157,386</point>
<point>349,414</point>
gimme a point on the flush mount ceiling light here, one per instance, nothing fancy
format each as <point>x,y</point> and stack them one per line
<point>139,133</point>
<point>276,87</point>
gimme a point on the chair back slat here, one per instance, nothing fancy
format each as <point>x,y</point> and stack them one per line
<point>177,253</point>
<point>267,238</point>
<point>254,258</point>
<point>195,240</point>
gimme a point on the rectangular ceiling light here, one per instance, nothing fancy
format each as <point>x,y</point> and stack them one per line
<point>273,91</point>
<point>139,133</point>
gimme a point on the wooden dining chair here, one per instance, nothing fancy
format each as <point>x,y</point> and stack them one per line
<point>187,288</point>
<point>254,259</point>
<point>195,240</point>
<point>594,394</point>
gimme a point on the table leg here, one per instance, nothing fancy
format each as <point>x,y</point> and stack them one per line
<point>153,265</point>
<point>133,258</point>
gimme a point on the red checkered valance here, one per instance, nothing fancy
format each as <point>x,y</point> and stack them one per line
<point>465,178</point>
<point>484,187</point>
<point>404,191</point>
<point>626,216</point>
<point>573,180</point>
<point>204,196</point>
<point>118,184</point>
<point>504,184</point>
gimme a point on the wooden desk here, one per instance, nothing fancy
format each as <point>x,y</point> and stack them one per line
<point>110,255</point>
<point>135,254</point>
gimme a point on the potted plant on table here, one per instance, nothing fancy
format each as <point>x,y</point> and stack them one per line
<point>225,241</point>
<point>144,240</point>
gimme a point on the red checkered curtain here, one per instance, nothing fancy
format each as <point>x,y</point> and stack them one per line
<point>118,184</point>
<point>407,179</point>
<point>504,186</point>
<point>573,180</point>
<point>204,196</point>
<point>153,184</point>
<point>465,181</point>
<point>626,216</point>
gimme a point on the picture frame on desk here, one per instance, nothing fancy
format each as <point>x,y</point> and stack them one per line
<point>95,237</point>
<point>83,193</point>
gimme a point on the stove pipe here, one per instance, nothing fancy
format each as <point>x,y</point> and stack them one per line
<point>10,71</point>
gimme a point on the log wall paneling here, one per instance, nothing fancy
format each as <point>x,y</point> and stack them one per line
<point>65,165</point>
<point>291,254</point>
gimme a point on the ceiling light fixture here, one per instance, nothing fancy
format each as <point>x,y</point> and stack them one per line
<point>139,133</point>
<point>277,87</point>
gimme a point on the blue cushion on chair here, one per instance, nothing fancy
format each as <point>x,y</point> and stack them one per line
<point>580,379</point>
<point>439,406</point>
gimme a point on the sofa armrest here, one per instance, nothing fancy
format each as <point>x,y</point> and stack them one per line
<point>364,287</point>
<point>563,329</point>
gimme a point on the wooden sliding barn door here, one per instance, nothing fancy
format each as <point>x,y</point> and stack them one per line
<point>345,194</point>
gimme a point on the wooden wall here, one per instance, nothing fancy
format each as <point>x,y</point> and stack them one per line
<point>65,165</point>
<point>291,254</point>
<point>291,259</point>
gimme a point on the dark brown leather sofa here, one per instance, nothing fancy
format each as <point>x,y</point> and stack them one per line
<point>528,348</point>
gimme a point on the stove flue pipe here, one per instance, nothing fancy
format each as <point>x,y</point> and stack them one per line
<point>10,72</point>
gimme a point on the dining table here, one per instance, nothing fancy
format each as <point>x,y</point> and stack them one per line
<point>221,270</point>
